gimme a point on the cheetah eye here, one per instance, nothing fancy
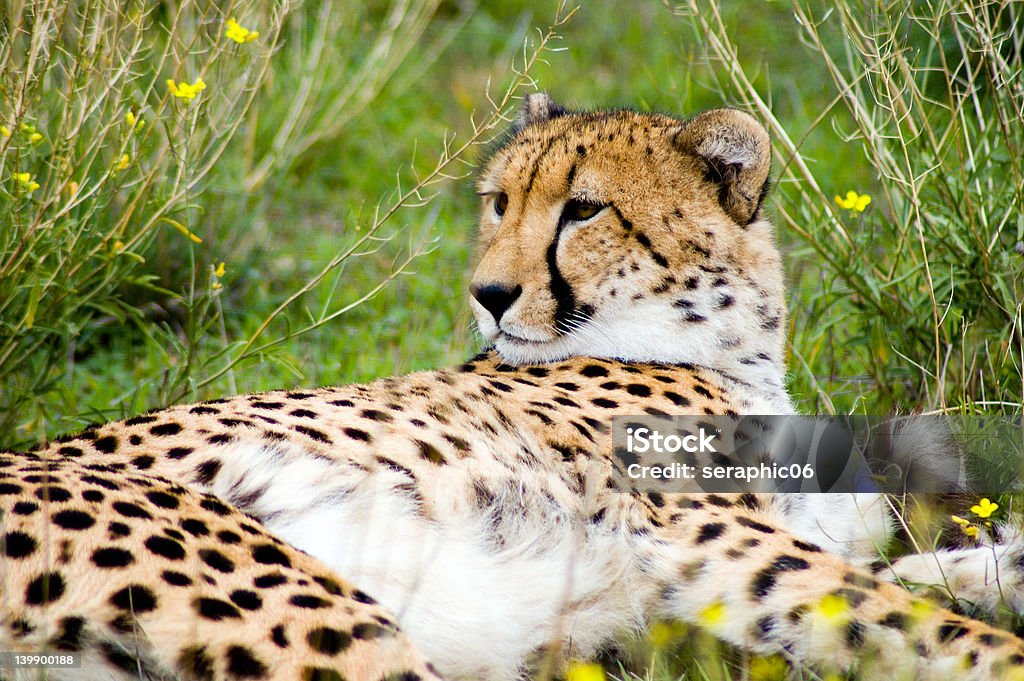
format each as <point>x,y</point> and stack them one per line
<point>578,211</point>
<point>500,204</point>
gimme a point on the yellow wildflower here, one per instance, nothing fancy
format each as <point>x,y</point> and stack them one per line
<point>25,182</point>
<point>218,272</point>
<point>5,131</point>
<point>772,668</point>
<point>854,202</point>
<point>27,129</point>
<point>133,122</point>
<point>660,634</point>
<point>185,91</point>
<point>584,671</point>
<point>833,607</point>
<point>238,33</point>
<point>921,610</point>
<point>965,525</point>
<point>712,615</point>
<point>984,508</point>
<point>72,188</point>
<point>118,246</point>
<point>123,162</point>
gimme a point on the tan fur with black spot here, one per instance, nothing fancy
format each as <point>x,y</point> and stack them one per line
<point>144,578</point>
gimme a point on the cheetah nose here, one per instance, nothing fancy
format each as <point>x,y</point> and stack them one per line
<point>496,298</point>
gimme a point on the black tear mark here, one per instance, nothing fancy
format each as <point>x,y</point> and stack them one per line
<point>565,299</point>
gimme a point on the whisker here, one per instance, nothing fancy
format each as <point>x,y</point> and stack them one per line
<point>587,327</point>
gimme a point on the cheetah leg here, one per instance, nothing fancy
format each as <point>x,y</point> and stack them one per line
<point>990,578</point>
<point>768,591</point>
<point>852,526</point>
<point>144,578</point>
<point>857,526</point>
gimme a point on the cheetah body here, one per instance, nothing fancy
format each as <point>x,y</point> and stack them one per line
<point>625,269</point>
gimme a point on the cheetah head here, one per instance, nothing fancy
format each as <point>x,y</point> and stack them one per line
<point>629,236</point>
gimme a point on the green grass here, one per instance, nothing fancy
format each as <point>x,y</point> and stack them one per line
<point>917,309</point>
<point>273,234</point>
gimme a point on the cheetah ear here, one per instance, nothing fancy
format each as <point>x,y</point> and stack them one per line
<point>537,108</point>
<point>737,153</point>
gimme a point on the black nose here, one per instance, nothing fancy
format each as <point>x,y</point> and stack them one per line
<point>496,298</point>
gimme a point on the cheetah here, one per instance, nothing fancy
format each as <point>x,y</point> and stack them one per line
<point>102,562</point>
<point>461,522</point>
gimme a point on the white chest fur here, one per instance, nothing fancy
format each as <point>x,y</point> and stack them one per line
<point>476,608</point>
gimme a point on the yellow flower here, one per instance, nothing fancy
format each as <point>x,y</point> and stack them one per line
<point>772,668</point>
<point>854,202</point>
<point>123,162</point>
<point>833,607</point>
<point>584,671</point>
<point>921,610</point>
<point>660,634</point>
<point>27,129</point>
<point>984,508</point>
<point>72,188</point>
<point>118,246</point>
<point>185,91</point>
<point>965,525</point>
<point>239,34</point>
<point>712,615</point>
<point>218,272</point>
<point>25,182</point>
<point>133,122</point>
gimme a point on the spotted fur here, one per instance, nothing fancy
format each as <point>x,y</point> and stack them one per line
<point>147,579</point>
<point>626,268</point>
